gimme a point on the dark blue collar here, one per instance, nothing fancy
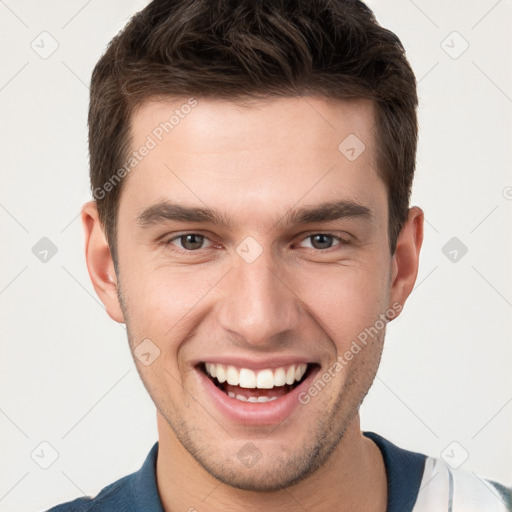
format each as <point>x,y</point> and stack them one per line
<point>404,471</point>
<point>144,487</point>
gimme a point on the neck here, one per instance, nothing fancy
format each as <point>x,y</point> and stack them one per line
<point>352,479</point>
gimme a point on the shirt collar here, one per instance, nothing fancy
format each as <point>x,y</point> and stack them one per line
<point>144,487</point>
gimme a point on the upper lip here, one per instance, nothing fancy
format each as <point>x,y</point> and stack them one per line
<point>256,364</point>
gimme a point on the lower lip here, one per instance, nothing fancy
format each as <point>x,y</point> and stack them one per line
<point>259,413</point>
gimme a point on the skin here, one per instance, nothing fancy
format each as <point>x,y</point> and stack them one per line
<point>255,163</point>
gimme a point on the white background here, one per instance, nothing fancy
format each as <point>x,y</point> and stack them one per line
<point>67,377</point>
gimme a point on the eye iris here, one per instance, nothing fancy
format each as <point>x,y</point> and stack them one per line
<point>191,241</point>
<point>321,241</point>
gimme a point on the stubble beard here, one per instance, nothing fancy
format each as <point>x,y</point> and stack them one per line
<point>277,472</point>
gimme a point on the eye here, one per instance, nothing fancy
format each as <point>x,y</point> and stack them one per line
<point>322,241</point>
<point>188,241</point>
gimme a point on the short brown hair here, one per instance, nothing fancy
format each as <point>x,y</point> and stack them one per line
<point>235,49</point>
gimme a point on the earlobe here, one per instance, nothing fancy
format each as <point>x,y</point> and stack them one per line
<point>99,262</point>
<point>405,261</point>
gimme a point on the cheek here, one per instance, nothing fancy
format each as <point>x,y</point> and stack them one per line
<point>162,302</point>
<point>343,301</point>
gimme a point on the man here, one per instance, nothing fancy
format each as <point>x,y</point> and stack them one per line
<point>251,167</point>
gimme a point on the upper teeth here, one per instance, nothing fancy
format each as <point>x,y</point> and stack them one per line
<point>263,379</point>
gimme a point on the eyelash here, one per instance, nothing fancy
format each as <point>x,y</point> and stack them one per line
<point>341,242</point>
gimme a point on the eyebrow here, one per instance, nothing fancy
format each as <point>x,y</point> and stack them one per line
<point>324,212</point>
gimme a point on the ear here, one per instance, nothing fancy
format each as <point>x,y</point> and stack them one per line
<point>405,260</point>
<point>99,262</point>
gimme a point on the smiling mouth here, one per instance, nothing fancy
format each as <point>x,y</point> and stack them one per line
<point>256,386</point>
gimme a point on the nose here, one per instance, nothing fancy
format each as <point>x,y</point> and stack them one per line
<point>259,306</point>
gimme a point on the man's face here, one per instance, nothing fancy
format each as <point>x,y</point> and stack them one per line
<point>262,293</point>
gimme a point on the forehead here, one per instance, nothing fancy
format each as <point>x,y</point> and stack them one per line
<point>267,154</point>
<point>223,125</point>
